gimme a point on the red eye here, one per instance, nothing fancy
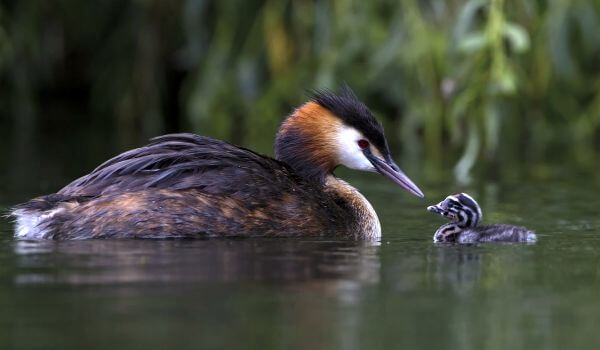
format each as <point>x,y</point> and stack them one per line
<point>363,144</point>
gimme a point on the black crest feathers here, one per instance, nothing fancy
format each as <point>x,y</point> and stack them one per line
<point>353,113</point>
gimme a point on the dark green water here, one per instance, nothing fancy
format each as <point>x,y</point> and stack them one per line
<point>403,292</point>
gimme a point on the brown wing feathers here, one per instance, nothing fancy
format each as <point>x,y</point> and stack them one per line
<point>179,161</point>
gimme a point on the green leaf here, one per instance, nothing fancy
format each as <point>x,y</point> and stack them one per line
<point>517,36</point>
<point>472,42</point>
<point>467,17</point>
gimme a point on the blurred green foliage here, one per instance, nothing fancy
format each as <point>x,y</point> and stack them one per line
<point>453,81</point>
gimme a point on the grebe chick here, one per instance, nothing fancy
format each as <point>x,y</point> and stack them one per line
<point>465,215</point>
<point>190,186</point>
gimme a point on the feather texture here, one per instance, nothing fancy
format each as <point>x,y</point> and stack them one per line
<point>187,161</point>
<point>184,185</point>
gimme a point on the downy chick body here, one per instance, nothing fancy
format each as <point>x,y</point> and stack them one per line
<point>465,215</point>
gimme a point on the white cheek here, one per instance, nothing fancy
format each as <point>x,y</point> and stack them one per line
<point>349,154</point>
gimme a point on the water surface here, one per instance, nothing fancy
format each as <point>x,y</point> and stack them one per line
<point>403,292</point>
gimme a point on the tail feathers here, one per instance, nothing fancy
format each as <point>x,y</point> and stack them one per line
<point>32,224</point>
<point>530,236</point>
<point>33,218</point>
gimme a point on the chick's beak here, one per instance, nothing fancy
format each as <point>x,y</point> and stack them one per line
<point>435,209</point>
<point>438,209</point>
<point>390,170</point>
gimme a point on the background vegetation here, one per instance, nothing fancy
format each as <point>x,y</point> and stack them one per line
<point>488,82</point>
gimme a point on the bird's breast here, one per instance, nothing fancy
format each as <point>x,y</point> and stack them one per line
<point>366,223</point>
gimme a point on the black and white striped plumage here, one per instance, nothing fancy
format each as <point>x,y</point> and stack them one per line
<point>465,215</point>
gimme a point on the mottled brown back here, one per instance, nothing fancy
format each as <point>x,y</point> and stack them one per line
<point>186,185</point>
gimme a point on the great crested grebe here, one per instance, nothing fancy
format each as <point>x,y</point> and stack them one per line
<point>185,185</point>
<point>465,215</point>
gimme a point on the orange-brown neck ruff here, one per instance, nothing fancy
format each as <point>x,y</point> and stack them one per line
<point>305,141</point>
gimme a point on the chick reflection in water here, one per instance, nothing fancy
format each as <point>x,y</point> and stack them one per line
<point>465,215</point>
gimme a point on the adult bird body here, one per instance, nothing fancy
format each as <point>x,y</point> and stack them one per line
<point>186,186</point>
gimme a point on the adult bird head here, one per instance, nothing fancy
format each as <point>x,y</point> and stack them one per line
<point>337,129</point>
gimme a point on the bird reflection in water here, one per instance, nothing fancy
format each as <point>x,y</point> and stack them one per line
<point>457,268</point>
<point>214,260</point>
